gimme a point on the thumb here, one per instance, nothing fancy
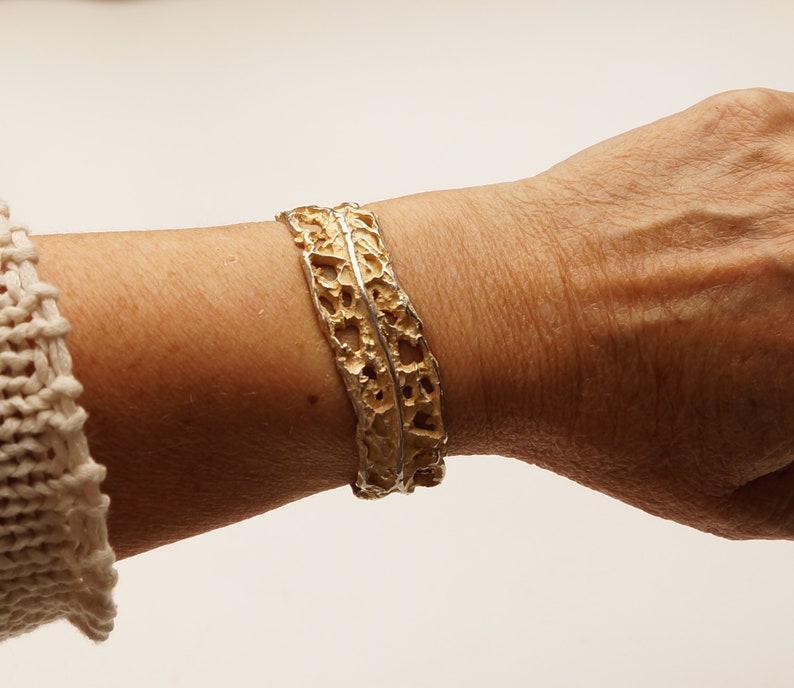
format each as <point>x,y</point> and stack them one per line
<point>764,507</point>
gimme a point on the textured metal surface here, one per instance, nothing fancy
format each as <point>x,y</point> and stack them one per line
<point>391,377</point>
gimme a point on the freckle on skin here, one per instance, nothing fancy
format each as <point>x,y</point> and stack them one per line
<point>313,399</point>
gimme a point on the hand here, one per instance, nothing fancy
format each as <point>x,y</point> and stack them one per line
<point>647,347</point>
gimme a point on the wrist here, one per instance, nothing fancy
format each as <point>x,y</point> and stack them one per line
<point>441,264</point>
<point>483,270</point>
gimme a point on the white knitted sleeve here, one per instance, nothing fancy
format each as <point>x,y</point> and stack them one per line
<point>55,560</point>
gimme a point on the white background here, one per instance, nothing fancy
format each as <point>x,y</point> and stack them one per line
<point>167,113</point>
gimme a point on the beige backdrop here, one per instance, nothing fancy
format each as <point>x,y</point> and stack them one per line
<point>168,113</point>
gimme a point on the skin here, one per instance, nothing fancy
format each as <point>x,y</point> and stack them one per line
<point>623,319</point>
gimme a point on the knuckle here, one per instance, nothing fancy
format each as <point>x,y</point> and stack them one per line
<point>750,109</point>
<point>776,264</point>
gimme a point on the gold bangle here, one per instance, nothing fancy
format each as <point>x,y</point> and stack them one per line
<point>390,374</point>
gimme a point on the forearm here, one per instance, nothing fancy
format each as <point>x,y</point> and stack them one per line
<point>212,393</point>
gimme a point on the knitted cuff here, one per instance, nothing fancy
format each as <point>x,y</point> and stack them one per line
<point>55,560</point>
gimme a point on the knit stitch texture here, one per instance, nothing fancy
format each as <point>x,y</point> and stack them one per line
<point>55,560</point>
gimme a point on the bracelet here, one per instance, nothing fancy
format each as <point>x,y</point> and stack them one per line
<point>55,560</point>
<point>391,376</point>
